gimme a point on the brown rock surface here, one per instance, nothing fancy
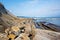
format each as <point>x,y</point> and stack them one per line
<point>46,35</point>
<point>23,36</point>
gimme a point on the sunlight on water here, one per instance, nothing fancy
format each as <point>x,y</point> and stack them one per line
<point>55,21</point>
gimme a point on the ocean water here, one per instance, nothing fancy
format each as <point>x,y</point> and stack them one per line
<point>55,21</point>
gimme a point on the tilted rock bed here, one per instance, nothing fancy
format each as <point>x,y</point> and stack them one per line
<point>38,35</point>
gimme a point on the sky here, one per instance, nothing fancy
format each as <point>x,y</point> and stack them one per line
<point>33,8</point>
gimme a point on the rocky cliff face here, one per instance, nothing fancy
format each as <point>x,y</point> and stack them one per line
<point>12,26</point>
<point>6,18</point>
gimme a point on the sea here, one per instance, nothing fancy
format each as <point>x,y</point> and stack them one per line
<point>52,20</point>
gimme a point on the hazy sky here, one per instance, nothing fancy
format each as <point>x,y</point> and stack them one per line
<point>33,8</point>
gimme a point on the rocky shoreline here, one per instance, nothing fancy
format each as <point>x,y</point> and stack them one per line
<point>14,28</point>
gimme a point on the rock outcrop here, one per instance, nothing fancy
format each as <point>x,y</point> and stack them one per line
<point>14,26</point>
<point>23,36</point>
<point>46,35</point>
<point>6,18</point>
